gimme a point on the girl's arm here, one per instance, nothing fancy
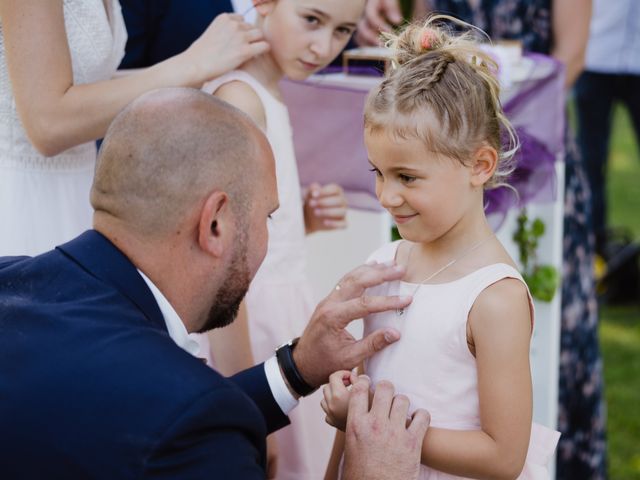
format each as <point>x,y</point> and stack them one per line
<point>570,30</point>
<point>500,329</point>
<point>231,345</point>
<point>57,114</point>
<point>333,467</point>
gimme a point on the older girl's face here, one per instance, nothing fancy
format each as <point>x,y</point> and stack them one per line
<point>306,35</point>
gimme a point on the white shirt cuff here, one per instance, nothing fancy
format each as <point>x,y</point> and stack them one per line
<point>285,400</point>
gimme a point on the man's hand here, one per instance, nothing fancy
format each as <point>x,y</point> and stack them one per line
<point>227,43</point>
<point>382,443</point>
<point>379,16</point>
<point>326,346</point>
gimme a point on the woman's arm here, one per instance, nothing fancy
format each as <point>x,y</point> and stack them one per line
<point>500,329</point>
<point>570,32</point>
<point>57,114</point>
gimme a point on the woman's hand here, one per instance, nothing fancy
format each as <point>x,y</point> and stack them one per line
<point>379,16</point>
<point>325,208</point>
<point>227,43</point>
<point>336,398</point>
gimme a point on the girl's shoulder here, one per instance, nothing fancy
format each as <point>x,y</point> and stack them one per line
<point>243,91</point>
<point>499,289</point>
<point>386,253</point>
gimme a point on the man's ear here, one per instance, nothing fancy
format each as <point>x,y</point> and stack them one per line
<point>485,161</point>
<point>216,224</point>
<point>264,7</point>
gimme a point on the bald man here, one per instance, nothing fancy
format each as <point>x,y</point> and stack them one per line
<point>97,379</point>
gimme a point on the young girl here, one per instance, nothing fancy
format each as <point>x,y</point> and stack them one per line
<point>433,131</point>
<point>304,36</point>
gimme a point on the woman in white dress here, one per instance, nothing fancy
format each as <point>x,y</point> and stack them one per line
<point>57,96</point>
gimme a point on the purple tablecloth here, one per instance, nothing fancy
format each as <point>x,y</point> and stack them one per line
<point>328,134</point>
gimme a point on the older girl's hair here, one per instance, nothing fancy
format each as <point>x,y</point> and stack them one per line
<point>442,89</point>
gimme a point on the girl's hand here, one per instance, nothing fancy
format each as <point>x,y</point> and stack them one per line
<point>336,398</point>
<point>325,208</point>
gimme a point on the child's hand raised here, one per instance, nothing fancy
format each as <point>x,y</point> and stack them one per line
<point>325,208</point>
<point>336,398</point>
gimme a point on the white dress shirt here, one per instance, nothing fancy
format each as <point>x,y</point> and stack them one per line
<point>614,39</point>
<point>178,333</point>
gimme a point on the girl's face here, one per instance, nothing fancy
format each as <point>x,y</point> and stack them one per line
<point>306,35</point>
<point>428,195</point>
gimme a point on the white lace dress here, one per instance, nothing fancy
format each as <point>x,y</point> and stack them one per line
<point>44,201</point>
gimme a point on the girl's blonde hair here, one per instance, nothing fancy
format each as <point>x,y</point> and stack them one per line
<point>442,89</point>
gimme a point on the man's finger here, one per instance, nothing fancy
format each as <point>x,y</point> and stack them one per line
<point>359,399</point>
<point>357,281</point>
<point>420,421</point>
<point>399,409</point>
<point>382,399</point>
<point>372,343</point>
<point>362,306</point>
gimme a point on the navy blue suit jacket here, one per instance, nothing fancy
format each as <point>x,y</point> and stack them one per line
<point>92,386</point>
<point>159,29</point>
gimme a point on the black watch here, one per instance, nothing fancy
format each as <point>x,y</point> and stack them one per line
<point>284,355</point>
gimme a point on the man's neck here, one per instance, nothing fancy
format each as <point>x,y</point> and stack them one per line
<point>162,263</point>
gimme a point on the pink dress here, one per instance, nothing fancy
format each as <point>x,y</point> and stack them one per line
<point>279,301</point>
<point>431,363</point>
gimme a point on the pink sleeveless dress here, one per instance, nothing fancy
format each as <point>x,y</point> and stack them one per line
<point>280,301</point>
<point>431,363</point>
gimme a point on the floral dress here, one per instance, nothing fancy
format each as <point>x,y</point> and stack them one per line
<point>582,415</point>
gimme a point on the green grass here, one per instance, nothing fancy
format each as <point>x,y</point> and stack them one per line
<point>620,326</point>
<point>623,185</point>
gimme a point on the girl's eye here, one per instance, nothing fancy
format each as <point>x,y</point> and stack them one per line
<point>406,178</point>
<point>376,171</point>
<point>311,20</point>
<point>344,31</point>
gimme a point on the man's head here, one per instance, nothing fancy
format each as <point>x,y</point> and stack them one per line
<point>184,184</point>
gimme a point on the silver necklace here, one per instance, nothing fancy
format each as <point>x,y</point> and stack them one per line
<point>475,246</point>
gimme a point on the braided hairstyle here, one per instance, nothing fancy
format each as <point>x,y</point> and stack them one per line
<point>442,89</point>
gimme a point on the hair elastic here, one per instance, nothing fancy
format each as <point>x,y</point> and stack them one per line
<point>428,40</point>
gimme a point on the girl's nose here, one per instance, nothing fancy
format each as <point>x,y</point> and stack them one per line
<point>388,195</point>
<point>321,46</point>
